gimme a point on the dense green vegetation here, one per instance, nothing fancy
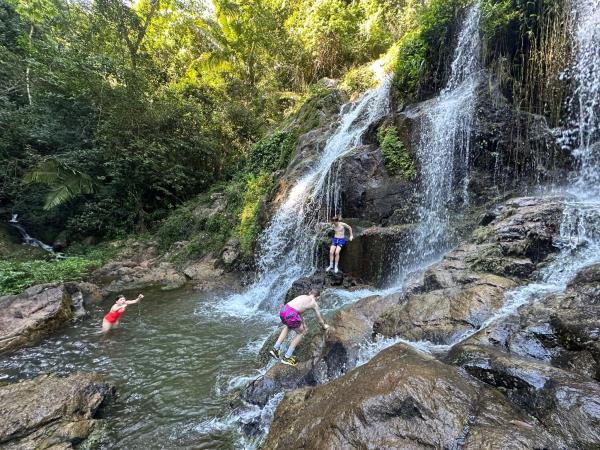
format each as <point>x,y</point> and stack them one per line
<point>117,112</point>
<point>395,155</point>
<point>26,266</point>
<point>123,117</point>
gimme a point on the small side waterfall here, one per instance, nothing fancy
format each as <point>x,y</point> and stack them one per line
<point>444,148</point>
<point>287,247</point>
<point>27,239</point>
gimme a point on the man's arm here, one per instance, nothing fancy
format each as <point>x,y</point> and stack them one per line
<point>319,317</point>
<point>345,225</point>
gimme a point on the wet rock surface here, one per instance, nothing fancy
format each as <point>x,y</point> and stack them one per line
<point>369,192</point>
<point>402,399</point>
<point>469,284</point>
<point>373,251</point>
<point>528,380</point>
<point>51,411</point>
<point>567,404</point>
<point>37,312</point>
<point>323,280</point>
<point>560,329</point>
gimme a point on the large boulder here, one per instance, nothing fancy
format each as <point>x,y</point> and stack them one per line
<point>322,356</point>
<point>37,312</point>
<point>402,399</point>
<point>51,411</point>
<point>443,315</point>
<point>565,403</point>
<point>374,251</point>
<point>460,292</point>
<point>560,329</point>
<point>138,266</point>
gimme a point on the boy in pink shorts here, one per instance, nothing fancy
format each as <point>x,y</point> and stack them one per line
<point>291,317</point>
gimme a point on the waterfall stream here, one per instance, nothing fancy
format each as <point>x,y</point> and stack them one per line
<point>288,246</point>
<point>579,240</point>
<point>443,151</point>
<point>28,240</point>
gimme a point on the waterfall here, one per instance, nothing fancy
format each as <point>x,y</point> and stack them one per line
<point>579,240</point>
<point>444,147</point>
<point>585,102</point>
<point>287,247</point>
<point>28,240</point>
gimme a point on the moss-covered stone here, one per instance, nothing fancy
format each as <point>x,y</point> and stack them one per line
<point>395,155</point>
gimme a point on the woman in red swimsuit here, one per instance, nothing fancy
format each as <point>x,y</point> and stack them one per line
<point>112,318</point>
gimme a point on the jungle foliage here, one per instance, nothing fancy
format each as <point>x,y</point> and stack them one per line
<point>116,113</point>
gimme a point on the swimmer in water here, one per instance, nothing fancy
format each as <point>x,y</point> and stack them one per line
<point>112,318</point>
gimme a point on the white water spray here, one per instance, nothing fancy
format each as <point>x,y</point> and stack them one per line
<point>288,246</point>
<point>444,149</point>
<point>585,102</point>
<point>445,140</point>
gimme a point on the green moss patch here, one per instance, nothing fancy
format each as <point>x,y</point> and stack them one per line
<point>396,158</point>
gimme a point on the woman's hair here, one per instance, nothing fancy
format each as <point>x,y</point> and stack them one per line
<point>121,296</point>
<point>315,292</point>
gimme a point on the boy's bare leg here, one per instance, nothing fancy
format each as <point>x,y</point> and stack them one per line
<point>337,257</point>
<point>299,335</point>
<point>282,336</point>
<point>331,257</point>
<point>295,341</point>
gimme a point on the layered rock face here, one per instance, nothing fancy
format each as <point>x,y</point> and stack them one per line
<point>527,379</point>
<point>50,411</point>
<point>36,312</point>
<point>463,290</point>
<point>322,356</point>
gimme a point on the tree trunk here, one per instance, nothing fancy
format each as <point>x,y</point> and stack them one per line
<point>28,70</point>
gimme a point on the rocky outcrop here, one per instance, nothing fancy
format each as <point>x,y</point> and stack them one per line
<point>139,266</point>
<point>567,404</point>
<point>403,399</point>
<point>36,312</point>
<point>322,356</point>
<point>50,412</point>
<point>373,253</point>
<point>315,121</point>
<point>323,280</point>
<point>560,329</point>
<point>459,293</point>
<point>368,192</point>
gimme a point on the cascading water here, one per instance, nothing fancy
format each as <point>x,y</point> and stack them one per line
<point>287,247</point>
<point>28,240</point>
<point>444,147</point>
<point>579,241</point>
<point>585,102</point>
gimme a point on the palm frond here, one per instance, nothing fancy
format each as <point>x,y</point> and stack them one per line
<point>65,183</point>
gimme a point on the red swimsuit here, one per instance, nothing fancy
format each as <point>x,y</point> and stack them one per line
<point>113,316</point>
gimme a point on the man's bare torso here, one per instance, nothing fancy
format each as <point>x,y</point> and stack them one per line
<point>302,303</point>
<point>339,230</point>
